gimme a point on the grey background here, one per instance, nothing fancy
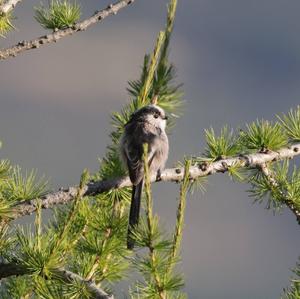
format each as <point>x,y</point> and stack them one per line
<point>239,61</point>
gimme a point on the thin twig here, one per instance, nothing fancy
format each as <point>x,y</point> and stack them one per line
<point>149,217</point>
<point>66,195</point>
<point>153,64</point>
<point>38,225</point>
<point>22,46</point>
<point>177,238</point>
<point>8,6</point>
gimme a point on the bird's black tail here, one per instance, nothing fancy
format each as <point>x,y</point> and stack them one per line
<point>134,212</point>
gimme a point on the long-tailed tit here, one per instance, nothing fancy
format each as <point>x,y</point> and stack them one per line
<point>146,125</point>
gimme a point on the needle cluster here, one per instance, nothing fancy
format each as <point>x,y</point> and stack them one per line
<point>59,15</point>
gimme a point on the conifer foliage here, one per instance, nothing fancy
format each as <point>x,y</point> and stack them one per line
<point>81,252</point>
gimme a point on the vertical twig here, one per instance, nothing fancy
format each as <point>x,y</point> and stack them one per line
<point>177,238</point>
<point>168,31</point>
<point>38,224</point>
<point>149,217</point>
<point>149,202</point>
<point>151,71</point>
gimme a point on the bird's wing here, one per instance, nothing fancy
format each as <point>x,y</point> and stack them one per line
<point>133,152</point>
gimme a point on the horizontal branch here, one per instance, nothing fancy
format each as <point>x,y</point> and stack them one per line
<point>11,269</point>
<point>22,46</point>
<point>8,6</point>
<point>203,169</point>
<point>14,269</point>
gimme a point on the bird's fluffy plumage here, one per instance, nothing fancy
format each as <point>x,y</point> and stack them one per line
<point>146,125</point>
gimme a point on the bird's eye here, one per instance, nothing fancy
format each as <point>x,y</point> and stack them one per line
<point>156,115</point>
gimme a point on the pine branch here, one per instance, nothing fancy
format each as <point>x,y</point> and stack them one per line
<point>8,6</point>
<point>69,276</point>
<point>273,182</point>
<point>10,269</point>
<point>168,175</point>
<point>13,269</point>
<point>152,68</point>
<point>22,46</point>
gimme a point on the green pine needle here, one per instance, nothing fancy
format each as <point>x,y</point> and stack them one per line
<point>293,292</point>
<point>145,90</point>
<point>262,136</point>
<point>199,183</point>
<point>61,14</point>
<point>6,208</point>
<point>173,283</point>
<point>262,188</point>
<point>291,124</point>
<point>47,289</point>
<point>36,260</point>
<point>4,169</point>
<point>15,287</point>
<point>220,147</point>
<point>78,289</point>
<point>111,165</point>
<point>286,188</point>
<point>6,24</point>
<point>24,187</point>
<point>169,94</point>
<point>157,238</point>
<point>6,240</point>
<point>236,172</point>
<point>293,188</point>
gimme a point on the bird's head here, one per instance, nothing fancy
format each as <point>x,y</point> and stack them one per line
<point>152,114</point>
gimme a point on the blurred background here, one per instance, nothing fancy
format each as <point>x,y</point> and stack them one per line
<point>239,61</point>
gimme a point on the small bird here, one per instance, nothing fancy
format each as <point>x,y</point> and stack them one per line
<point>146,125</point>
